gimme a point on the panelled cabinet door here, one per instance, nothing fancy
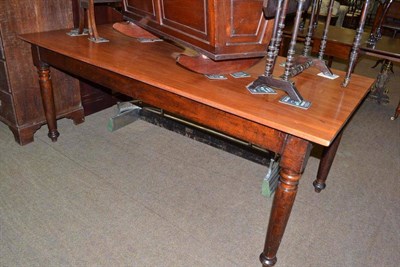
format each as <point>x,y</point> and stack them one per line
<point>218,29</point>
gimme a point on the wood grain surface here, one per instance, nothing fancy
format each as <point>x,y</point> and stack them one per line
<point>154,64</point>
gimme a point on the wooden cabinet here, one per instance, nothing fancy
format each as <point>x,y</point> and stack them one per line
<point>219,29</point>
<point>20,101</point>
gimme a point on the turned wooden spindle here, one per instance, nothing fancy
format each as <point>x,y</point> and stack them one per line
<point>356,44</point>
<point>46,90</point>
<point>310,31</point>
<point>274,44</point>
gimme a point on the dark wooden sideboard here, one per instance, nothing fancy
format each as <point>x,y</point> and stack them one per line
<point>20,101</point>
<point>220,30</point>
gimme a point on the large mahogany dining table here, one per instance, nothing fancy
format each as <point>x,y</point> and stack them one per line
<point>148,71</point>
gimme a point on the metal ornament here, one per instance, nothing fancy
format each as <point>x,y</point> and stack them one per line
<point>356,44</point>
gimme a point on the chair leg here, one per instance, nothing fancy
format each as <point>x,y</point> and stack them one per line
<point>80,30</point>
<point>93,34</point>
<point>92,21</point>
<point>396,113</point>
<point>81,20</point>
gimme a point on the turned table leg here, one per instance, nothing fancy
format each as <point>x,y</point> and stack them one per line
<point>328,155</point>
<point>281,209</point>
<point>294,158</point>
<point>46,89</point>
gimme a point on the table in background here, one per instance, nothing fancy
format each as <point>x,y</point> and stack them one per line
<point>339,43</point>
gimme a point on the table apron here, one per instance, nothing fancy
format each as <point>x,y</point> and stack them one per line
<point>381,55</point>
<point>194,111</point>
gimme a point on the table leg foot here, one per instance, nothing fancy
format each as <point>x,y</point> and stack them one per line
<point>319,186</point>
<point>53,135</point>
<point>267,262</point>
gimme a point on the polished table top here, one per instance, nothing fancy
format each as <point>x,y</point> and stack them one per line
<point>154,64</point>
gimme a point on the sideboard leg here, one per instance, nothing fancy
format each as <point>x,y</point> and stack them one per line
<point>281,209</point>
<point>46,89</point>
<point>328,155</point>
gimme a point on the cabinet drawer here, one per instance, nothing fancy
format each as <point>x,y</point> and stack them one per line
<point>3,77</point>
<point>6,107</point>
